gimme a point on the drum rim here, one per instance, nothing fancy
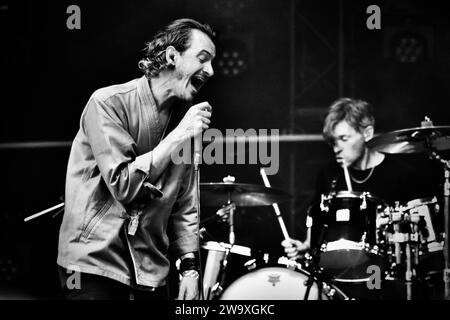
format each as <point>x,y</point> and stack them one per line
<point>273,264</point>
<point>344,244</point>
<point>414,203</point>
<point>357,195</point>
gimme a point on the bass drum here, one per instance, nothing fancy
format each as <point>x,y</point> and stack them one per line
<point>279,282</point>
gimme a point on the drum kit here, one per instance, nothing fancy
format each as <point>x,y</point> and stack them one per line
<point>362,236</point>
<point>265,279</point>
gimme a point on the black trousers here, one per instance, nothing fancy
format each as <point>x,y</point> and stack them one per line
<point>93,287</point>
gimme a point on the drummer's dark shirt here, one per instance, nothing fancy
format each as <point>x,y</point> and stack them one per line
<point>392,180</point>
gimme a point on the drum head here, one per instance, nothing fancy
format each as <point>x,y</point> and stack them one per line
<point>274,283</point>
<point>347,261</point>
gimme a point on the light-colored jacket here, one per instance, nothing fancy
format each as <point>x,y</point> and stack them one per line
<point>108,187</point>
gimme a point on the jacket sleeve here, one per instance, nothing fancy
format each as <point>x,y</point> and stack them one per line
<point>183,223</point>
<point>124,172</point>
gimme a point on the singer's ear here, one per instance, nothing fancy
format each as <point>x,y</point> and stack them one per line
<point>171,55</point>
<point>368,133</point>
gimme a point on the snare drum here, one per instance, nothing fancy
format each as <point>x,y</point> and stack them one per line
<point>281,281</point>
<point>351,238</point>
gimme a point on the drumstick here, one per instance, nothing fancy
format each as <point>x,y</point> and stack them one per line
<point>43,212</point>
<point>347,177</point>
<point>275,206</point>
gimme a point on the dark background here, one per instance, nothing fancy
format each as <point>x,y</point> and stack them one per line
<point>298,57</point>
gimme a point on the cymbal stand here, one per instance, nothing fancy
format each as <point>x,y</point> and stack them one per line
<point>231,236</point>
<point>315,270</point>
<point>446,169</point>
<point>447,231</point>
<point>417,230</point>
<point>218,287</point>
<point>402,236</point>
<point>412,253</point>
<point>409,272</point>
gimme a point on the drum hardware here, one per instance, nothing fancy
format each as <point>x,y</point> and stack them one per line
<point>230,194</point>
<point>424,139</point>
<point>218,287</point>
<point>399,233</point>
<point>216,291</point>
<point>363,202</point>
<point>216,264</point>
<point>221,214</point>
<point>409,273</point>
<point>363,239</point>
<point>446,169</point>
<point>412,235</point>
<point>325,201</point>
<point>314,267</point>
<point>324,207</point>
<point>290,264</point>
<point>328,290</point>
<point>250,264</point>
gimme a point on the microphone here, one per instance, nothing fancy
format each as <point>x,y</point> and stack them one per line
<point>197,150</point>
<point>197,158</point>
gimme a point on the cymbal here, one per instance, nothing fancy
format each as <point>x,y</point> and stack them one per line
<point>216,194</point>
<point>412,140</point>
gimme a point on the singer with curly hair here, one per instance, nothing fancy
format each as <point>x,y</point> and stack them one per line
<point>127,205</point>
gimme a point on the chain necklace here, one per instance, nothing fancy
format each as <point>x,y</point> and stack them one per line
<point>363,180</point>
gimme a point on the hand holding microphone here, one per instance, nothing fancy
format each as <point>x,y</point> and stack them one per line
<point>196,119</point>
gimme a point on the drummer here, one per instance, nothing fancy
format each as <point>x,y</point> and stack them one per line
<point>348,126</point>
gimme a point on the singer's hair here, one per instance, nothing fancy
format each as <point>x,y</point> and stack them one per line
<point>176,34</point>
<point>357,113</point>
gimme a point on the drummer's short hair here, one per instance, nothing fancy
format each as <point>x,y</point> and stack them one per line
<point>357,113</point>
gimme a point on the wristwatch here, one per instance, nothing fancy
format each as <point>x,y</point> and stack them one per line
<point>191,273</point>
